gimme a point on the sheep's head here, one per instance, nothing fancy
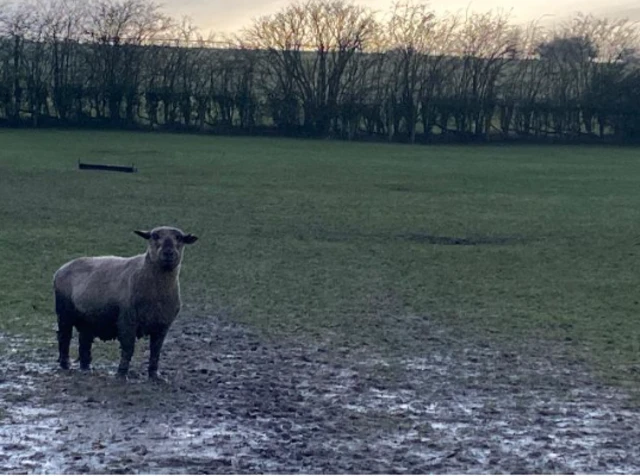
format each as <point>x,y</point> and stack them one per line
<point>166,245</point>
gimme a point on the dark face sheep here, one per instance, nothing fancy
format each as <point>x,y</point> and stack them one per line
<point>165,246</point>
<point>110,297</point>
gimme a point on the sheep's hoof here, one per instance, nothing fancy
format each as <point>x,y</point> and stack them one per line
<point>155,378</point>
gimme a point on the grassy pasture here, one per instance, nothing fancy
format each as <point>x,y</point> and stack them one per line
<point>353,243</point>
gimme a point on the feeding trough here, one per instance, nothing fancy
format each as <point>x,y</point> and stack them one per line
<point>113,168</point>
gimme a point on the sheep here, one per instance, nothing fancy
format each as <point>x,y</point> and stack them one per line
<point>110,297</point>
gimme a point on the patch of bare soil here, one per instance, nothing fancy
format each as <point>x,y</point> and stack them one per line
<point>236,403</point>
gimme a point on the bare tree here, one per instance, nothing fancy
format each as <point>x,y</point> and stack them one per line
<point>309,47</point>
<point>485,45</point>
<point>118,30</point>
<point>523,86</point>
<point>617,46</point>
<point>569,56</point>
<point>16,25</point>
<point>63,27</point>
<point>417,49</point>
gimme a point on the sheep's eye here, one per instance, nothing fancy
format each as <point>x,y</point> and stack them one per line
<point>155,236</point>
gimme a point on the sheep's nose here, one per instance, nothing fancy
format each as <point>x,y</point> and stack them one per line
<point>167,254</point>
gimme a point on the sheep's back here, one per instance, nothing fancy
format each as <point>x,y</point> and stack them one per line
<point>97,283</point>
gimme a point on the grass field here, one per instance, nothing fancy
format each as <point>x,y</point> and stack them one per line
<point>351,243</point>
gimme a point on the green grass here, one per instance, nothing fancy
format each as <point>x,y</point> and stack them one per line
<point>315,237</point>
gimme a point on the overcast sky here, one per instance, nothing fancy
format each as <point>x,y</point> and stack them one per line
<point>231,15</point>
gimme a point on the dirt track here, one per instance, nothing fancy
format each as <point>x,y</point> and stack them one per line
<point>239,404</point>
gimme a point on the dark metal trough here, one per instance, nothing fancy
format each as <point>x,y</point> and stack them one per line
<point>112,168</point>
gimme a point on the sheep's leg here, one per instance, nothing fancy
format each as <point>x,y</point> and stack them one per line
<point>65,332</point>
<point>156,339</point>
<point>64,310</point>
<point>127,340</point>
<point>85,341</point>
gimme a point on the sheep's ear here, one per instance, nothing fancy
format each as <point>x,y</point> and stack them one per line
<point>144,234</point>
<point>189,239</point>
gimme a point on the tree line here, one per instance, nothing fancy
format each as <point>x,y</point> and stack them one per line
<point>320,68</point>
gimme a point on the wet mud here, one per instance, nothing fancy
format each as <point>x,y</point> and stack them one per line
<point>237,403</point>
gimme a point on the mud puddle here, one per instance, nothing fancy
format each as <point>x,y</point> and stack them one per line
<point>238,404</point>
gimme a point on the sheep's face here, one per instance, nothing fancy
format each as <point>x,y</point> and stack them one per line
<point>166,245</point>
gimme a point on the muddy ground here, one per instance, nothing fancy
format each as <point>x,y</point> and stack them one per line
<point>236,403</point>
